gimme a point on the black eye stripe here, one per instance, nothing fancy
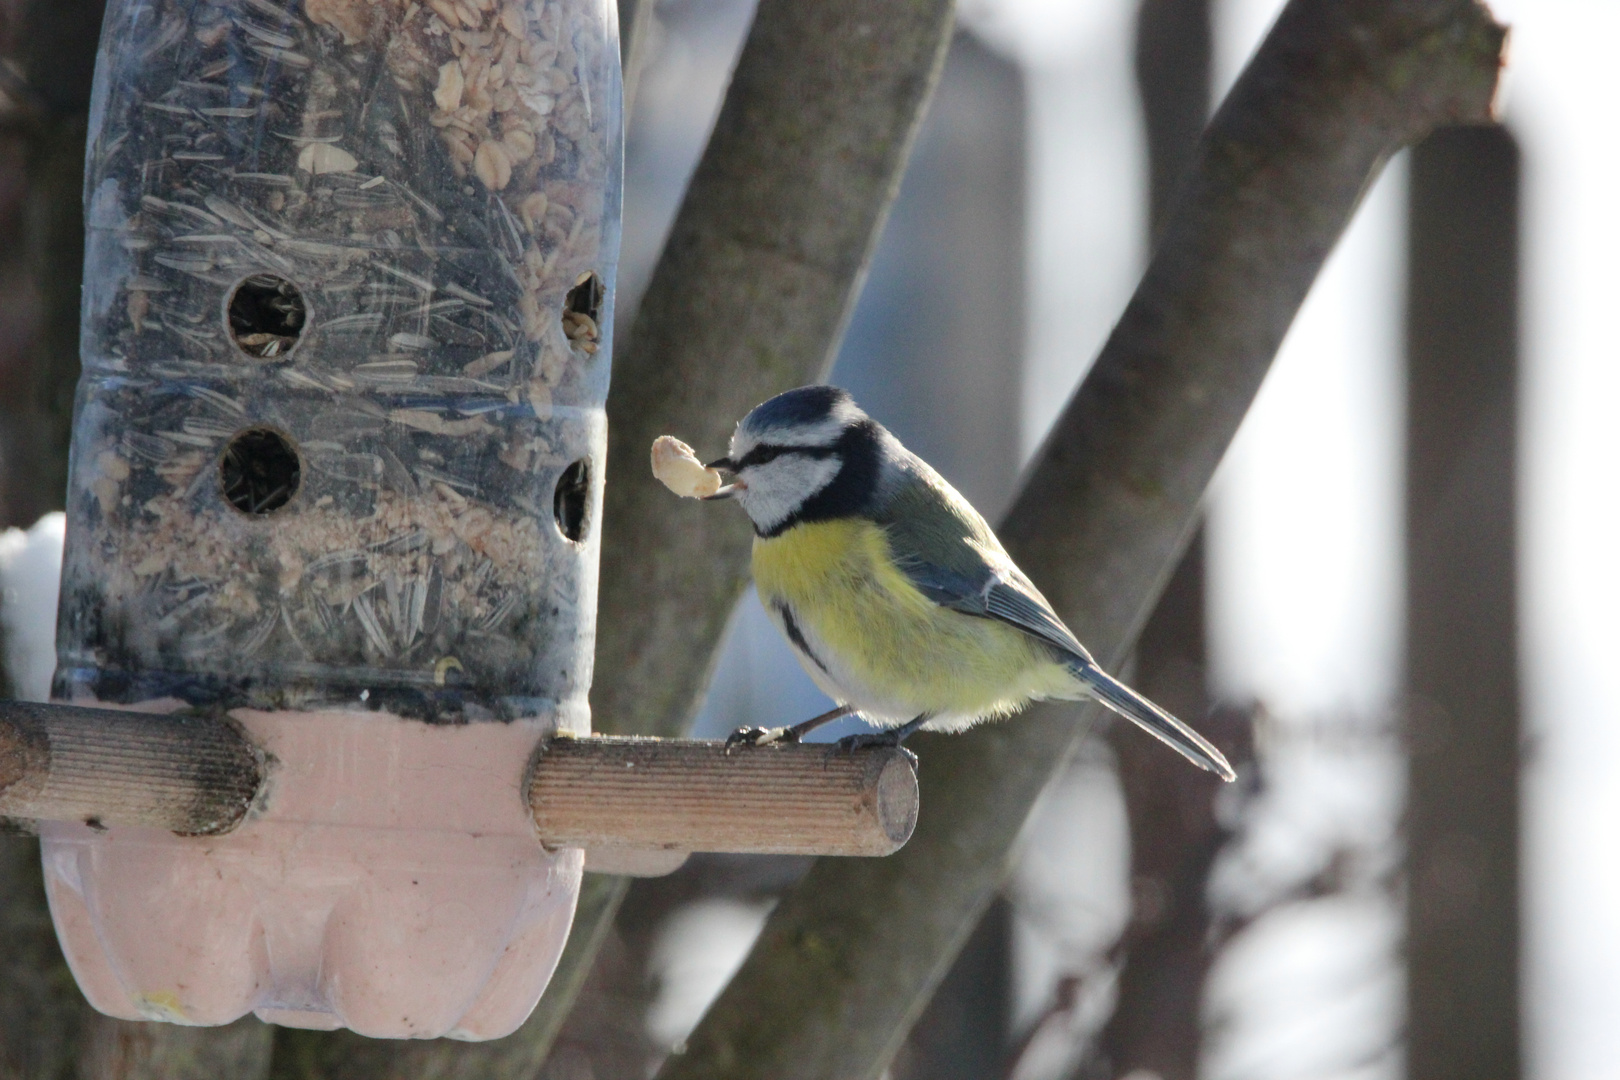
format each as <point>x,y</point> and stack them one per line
<point>765,452</point>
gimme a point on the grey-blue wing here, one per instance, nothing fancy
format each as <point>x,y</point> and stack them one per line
<point>951,556</point>
<point>950,553</point>
<point>1012,599</point>
<point>1000,593</point>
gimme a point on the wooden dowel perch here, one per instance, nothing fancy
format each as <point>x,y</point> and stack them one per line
<point>690,795</point>
<point>198,775</point>
<point>188,774</point>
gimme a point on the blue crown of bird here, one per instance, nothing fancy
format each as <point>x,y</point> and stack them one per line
<point>892,591</point>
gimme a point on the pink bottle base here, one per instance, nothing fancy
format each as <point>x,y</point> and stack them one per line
<point>391,883</point>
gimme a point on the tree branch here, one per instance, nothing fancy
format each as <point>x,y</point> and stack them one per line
<point>848,959</point>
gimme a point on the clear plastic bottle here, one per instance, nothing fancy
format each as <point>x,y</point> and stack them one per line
<point>336,473</point>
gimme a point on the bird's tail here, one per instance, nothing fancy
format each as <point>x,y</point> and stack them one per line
<point>1154,720</point>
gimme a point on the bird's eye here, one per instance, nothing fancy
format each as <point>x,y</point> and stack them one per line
<point>760,455</point>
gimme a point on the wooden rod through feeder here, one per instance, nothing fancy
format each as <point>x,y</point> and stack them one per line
<point>693,795</point>
<point>188,774</point>
<point>200,775</point>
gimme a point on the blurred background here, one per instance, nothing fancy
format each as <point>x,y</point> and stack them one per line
<point>1400,607</point>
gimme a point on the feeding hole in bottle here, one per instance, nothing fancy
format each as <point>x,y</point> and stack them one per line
<point>266,315</point>
<point>582,313</point>
<point>259,472</point>
<point>569,502</point>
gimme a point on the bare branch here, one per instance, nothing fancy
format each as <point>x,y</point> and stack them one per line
<point>847,961</point>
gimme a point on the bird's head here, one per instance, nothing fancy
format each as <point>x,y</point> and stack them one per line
<point>808,454</point>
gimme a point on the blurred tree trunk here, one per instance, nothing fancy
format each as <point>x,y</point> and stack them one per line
<point>1462,666</point>
<point>963,1033</point>
<point>1173,73</point>
<point>19,315</point>
<point>1166,949</point>
<point>42,1014</point>
<point>1170,941</point>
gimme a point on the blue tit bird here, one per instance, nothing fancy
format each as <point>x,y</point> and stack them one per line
<point>893,591</point>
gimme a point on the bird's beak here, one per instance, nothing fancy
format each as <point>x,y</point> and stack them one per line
<point>722,465</point>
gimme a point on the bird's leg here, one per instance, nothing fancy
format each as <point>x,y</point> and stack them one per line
<point>758,736</point>
<point>892,737</point>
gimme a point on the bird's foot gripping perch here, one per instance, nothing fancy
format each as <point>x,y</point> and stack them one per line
<point>892,737</point>
<point>865,740</point>
<point>759,736</point>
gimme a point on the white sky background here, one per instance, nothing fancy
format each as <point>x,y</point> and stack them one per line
<point>1087,188</point>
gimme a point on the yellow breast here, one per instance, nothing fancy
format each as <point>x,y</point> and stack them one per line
<point>844,588</point>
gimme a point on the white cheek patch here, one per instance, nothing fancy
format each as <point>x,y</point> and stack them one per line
<point>778,488</point>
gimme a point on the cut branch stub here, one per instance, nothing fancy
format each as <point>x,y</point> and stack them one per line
<point>187,774</point>
<point>691,795</point>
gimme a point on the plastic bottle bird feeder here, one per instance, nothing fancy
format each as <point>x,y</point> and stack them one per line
<point>319,750</point>
<point>337,471</point>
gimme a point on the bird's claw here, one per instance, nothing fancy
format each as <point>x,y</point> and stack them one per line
<point>867,740</point>
<point>758,736</point>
